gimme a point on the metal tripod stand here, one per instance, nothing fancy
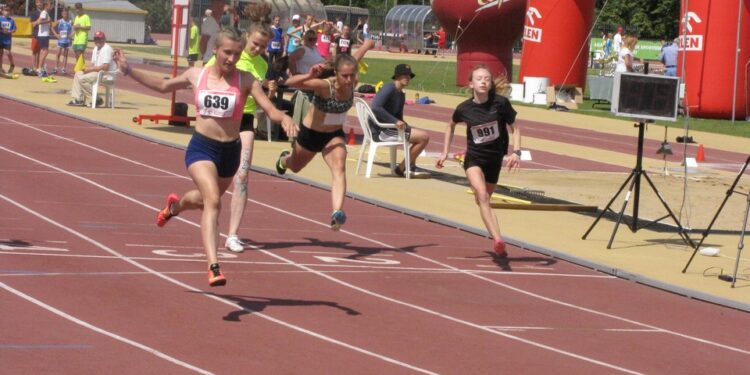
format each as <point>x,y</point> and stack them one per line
<point>635,189</point>
<point>742,231</point>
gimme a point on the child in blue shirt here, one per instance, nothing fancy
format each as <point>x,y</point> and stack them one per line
<point>7,28</point>
<point>64,33</point>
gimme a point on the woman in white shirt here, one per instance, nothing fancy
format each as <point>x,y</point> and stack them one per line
<point>625,56</point>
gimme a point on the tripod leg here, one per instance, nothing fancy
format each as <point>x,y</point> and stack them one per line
<point>604,210</point>
<point>622,211</point>
<point>726,198</point>
<point>680,228</point>
<point>741,245</point>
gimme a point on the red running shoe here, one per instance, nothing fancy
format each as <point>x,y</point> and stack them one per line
<point>215,277</point>
<point>500,249</point>
<point>165,214</point>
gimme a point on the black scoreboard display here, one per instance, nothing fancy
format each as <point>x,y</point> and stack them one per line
<point>645,96</point>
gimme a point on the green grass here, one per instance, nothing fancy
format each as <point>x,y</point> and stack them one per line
<point>439,76</point>
<point>155,50</point>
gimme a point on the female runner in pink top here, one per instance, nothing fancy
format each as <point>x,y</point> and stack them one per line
<point>212,156</point>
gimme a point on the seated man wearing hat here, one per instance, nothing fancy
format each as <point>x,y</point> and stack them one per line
<point>388,107</point>
<point>101,60</point>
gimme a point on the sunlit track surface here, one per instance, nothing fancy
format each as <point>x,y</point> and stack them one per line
<point>90,284</point>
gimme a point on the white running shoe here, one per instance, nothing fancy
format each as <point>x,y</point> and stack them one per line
<point>234,244</point>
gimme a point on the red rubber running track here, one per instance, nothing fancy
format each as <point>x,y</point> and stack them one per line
<point>89,284</point>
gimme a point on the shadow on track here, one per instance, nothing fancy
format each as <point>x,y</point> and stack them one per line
<point>360,251</point>
<point>253,304</point>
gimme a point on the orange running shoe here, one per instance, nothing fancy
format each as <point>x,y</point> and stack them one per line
<point>215,277</point>
<point>500,249</point>
<point>165,214</point>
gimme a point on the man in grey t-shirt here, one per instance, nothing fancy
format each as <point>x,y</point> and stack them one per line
<point>209,30</point>
<point>669,58</point>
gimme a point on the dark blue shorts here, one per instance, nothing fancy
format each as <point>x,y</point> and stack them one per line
<point>225,155</point>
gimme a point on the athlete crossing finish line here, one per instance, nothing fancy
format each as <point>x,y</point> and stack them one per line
<point>213,154</point>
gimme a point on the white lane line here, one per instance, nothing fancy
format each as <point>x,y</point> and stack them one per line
<point>533,328</point>
<point>30,248</point>
<point>104,332</point>
<point>323,266</point>
<point>196,290</point>
<point>309,269</point>
<point>469,273</point>
<point>136,273</point>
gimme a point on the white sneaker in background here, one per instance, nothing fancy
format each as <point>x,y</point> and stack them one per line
<point>234,244</point>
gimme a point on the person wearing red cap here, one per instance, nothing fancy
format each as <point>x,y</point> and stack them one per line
<point>617,40</point>
<point>102,59</point>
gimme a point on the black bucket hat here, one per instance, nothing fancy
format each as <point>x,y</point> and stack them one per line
<point>402,69</point>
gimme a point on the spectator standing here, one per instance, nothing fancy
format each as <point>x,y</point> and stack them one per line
<point>625,57</point>
<point>7,28</point>
<point>388,107</point>
<point>365,30</point>
<point>608,45</point>
<point>81,27</point>
<point>325,38</point>
<point>45,24</point>
<point>617,41</point>
<point>226,17</point>
<point>669,58</point>
<point>63,30</point>
<point>276,45</point>
<point>102,59</point>
<point>293,35</point>
<point>339,25</point>
<point>343,42</point>
<point>303,58</point>
<point>442,38</point>
<point>34,18</point>
<point>209,31</point>
<point>193,44</point>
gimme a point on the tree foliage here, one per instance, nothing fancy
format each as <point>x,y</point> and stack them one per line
<point>159,14</point>
<point>653,19</point>
<point>646,18</point>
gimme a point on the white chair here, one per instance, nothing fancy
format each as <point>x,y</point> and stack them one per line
<point>260,117</point>
<point>364,113</point>
<point>107,80</point>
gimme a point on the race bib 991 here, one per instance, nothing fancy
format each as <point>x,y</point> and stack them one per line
<point>485,133</point>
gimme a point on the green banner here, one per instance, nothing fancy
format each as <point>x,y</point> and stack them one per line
<point>645,49</point>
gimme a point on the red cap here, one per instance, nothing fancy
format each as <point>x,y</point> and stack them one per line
<point>99,35</point>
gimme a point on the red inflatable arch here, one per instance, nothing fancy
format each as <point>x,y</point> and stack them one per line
<point>555,40</point>
<point>487,33</point>
<point>710,46</point>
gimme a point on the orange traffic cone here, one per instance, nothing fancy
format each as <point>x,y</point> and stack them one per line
<point>701,155</point>
<point>350,140</point>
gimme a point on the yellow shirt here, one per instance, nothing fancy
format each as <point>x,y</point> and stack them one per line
<point>257,66</point>
<point>195,38</point>
<point>81,36</point>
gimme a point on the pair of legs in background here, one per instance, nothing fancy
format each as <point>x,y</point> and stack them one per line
<point>418,140</point>
<point>5,48</point>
